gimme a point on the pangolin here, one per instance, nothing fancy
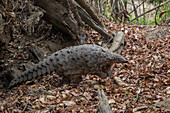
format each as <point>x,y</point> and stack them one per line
<point>74,61</point>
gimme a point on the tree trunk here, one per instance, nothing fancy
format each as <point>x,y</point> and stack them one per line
<point>59,15</point>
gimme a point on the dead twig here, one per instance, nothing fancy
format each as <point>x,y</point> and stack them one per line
<point>136,15</point>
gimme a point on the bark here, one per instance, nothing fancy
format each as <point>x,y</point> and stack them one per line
<point>76,14</point>
<point>58,14</point>
<point>86,18</point>
<point>4,35</point>
<point>103,102</point>
<point>87,8</point>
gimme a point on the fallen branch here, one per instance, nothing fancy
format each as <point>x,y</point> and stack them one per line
<point>84,5</point>
<point>103,102</point>
<point>86,18</point>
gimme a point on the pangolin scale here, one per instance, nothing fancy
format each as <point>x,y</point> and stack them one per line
<point>73,62</point>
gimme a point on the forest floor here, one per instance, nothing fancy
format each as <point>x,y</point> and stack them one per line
<point>147,76</point>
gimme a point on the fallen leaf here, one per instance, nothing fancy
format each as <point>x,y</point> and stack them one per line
<point>69,103</point>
